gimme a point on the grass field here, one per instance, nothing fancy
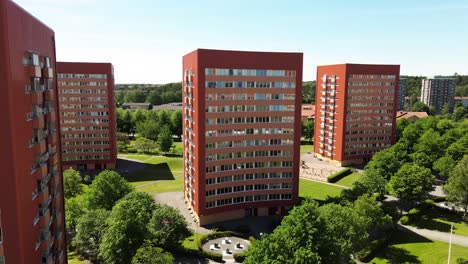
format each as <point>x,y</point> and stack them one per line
<point>306,148</point>
<point>73,259</point>
<point>161,173</point>
<point>317,190</point>
<point>350,179</point>
<point>191,241</point>
<point>440,220</point>
<point>412,248</point>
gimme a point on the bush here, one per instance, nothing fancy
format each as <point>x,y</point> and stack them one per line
<point>240,257</point>
<point>339,175</point>
<point>414,214</point>
<point>439,199</point>
<point>428,204</point>
<point>405,220</point>
<point>213,256</point>
<point>391,210</point>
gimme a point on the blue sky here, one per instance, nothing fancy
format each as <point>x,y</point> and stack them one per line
<point>146,39</point>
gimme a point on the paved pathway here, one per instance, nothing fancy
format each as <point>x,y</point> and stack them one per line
<point>436,235</point>
<point>329,183</point>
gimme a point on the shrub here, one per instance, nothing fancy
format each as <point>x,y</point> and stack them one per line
<point>240,257</point>
<point>391,210</point>
<point>213,256</point>
<point>339,175</point>
<point>414,214</point>
<point>252,239</point>
<point>405,220</point>
<point>439,199</point>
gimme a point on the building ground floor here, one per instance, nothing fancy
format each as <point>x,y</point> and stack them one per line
<point>89,165</point>
<point>343,163</point>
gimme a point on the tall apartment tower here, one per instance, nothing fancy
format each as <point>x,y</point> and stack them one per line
<point>438,92</point>
<point>402,84</point>
<point>87,115</point>
<point>32,219</point>
<point>241,114</point>
<point>356,107</point>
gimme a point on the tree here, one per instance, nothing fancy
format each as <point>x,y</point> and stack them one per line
<point>460,113</point>
<point>444,165</point>
<point>129,123</point>
<point>145,145</point>
<point>459,148</point>
<point>148,254</point>
<point>430,144</point>
<point>457,185</point>
<point>149,129</point>
<point>71,183</point>
<point>107,188</point>
<point>74,209</point>
<point>401,124</point>
<point>372,182</point>
<point>154,97</point>
<point>165,139</point>
<point>374,217</point>
<point>140,116</point>
<point>136,96</point>
<point>420,107</point>
<point>176,123</point>
<point>167,227</point>
<point>91,227</point>
<point>411,183</point>
<point>308,130</point>
<point>127,228</point>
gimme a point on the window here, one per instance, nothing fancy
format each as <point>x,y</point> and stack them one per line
<point>1,236</point>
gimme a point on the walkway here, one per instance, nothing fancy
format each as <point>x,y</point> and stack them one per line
<point>436,235</point>
<point>329,183</point>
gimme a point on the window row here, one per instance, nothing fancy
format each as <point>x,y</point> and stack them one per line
<point>249,108</point>
<point>231,84</point>
<point>368,111</point>
<point>368,118</point>
<point>248,143</point>
<point>361,152</point>
<point>248,154</point>
<point>356,139</point>
<point>74,83</point>
<point>370,76</point>
<point>249,165</point>
<point>85,143</point>
<point>82,99</point>
<point>353,98</point>
<point>83,106</point>
<point>67,136</point>
<point>85,150</point>
<point>371,83</point>
<point>247,120</point>
<point>86,157</point>
<point>249,72</point>
<point>246,96</point>
<point>37,84</point>
<point>248,131</point>
<point>370,104</point>
<point>84,91</point>
<point>85,128</point>
<point>246,188</point>
<point>81,75</point>
<point>33,59</point>
<point>365,90</point>
<point>85,113</point>
<point>363,132</point>
<point>249,176</point>
<point>85,121</point>
<point>367,145</point>
<point>247,199</point>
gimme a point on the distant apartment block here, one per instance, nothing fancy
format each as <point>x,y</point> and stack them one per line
<point>402,84</point>
<point>32,219</point>
<point>87,115</point>
<point>462,100</point>
<point>438,92</point>
<point>242,123</point>
<point>355,111</point>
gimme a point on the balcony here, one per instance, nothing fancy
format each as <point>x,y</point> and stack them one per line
<point>52,138</point>
<point>34,70</point>
<point>51,116</point>
<point>48,72</point>
<point>50,95</point>
<point>37,98</point>
<point>40,147</point>
<point>38,122</point>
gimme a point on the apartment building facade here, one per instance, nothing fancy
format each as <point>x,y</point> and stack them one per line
<point>241,120</point>
<point>438,92</point>
<point>87,111</point>
<point>402,84</point>
<point>32,219</point>
<point>356,105</point>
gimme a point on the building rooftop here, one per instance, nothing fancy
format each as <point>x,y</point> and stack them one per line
<point>407,115</point>
<point>308,111</point>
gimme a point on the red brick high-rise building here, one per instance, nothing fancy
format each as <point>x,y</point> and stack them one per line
<point>32,219</point>
<point>241,134</point>
<point>356,105</point>
<point>87,115</point>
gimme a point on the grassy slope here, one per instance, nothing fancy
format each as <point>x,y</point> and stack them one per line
<point>440,221</point>
<point>317,190</point>
<point>411,248</point>
<point>307,148</point>
<point>350,179</point>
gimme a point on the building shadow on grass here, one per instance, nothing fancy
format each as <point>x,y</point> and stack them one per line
<point>136,171</point>
<point>395,255</point>
<point>429,220</point>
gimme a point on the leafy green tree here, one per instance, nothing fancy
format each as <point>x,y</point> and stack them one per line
<point>372,182</point>
<point>444,125</point>
<point>91,227</point>
<point>459,148</point>
<point>154,97</point>
<point>422,159</point>
<point>430,144</point>
<point>144,145</point>
<point>129,123</point>
<point>412,133</point>
<point>107,188</point>
<point>136,96</point>
<point>148,254</point>
<point>164,118</point>
<point>296,240</point>
<point>444,165</point>
<point>176,123</point>
<point>460,113</point>
<point>457,185</point>
<point>308,92</point>
<point>401,124</point>
<point>167,227</point>
<point>149,129</point>
<point>127,228</point>
<point>74,209</point>
<point>140,116</point>
<point>411,183</point>
<point>370,210</point>
<point>308,130</point>
<point>386,162</point>
<point>420,107</point>
<point>71,183</point>
<point>119,98</point>
<point>165,139</point>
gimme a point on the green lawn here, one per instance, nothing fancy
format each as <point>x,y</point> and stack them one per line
<point>350,179</point>
<point>307,148</point>
<point>73,259</point>
<point>412,248</point>
<point>440,220</point>
<point>191,241</point>
<point>317,190</point>
<point>161,173</point>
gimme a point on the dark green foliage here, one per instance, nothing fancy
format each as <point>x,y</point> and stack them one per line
<point>107,188</point>
<point>71,183</point>
<point>411,183</point>
<point>405,220</point>
<point>167,227</point>
<point>457,184</point>
<point>339,175</point>
<point>165,139</point>
<point>149,254</point>
<point>308,129</point>
<point>308,92</point>
<point>91,227</point>
<point>240,257</point>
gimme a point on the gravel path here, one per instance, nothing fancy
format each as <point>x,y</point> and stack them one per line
<point>436,235</point>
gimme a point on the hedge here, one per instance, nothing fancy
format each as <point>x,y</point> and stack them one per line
<point>212,255</point>
<point>240,257</point>
<point>339,175</point>
<point>405,220</point>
